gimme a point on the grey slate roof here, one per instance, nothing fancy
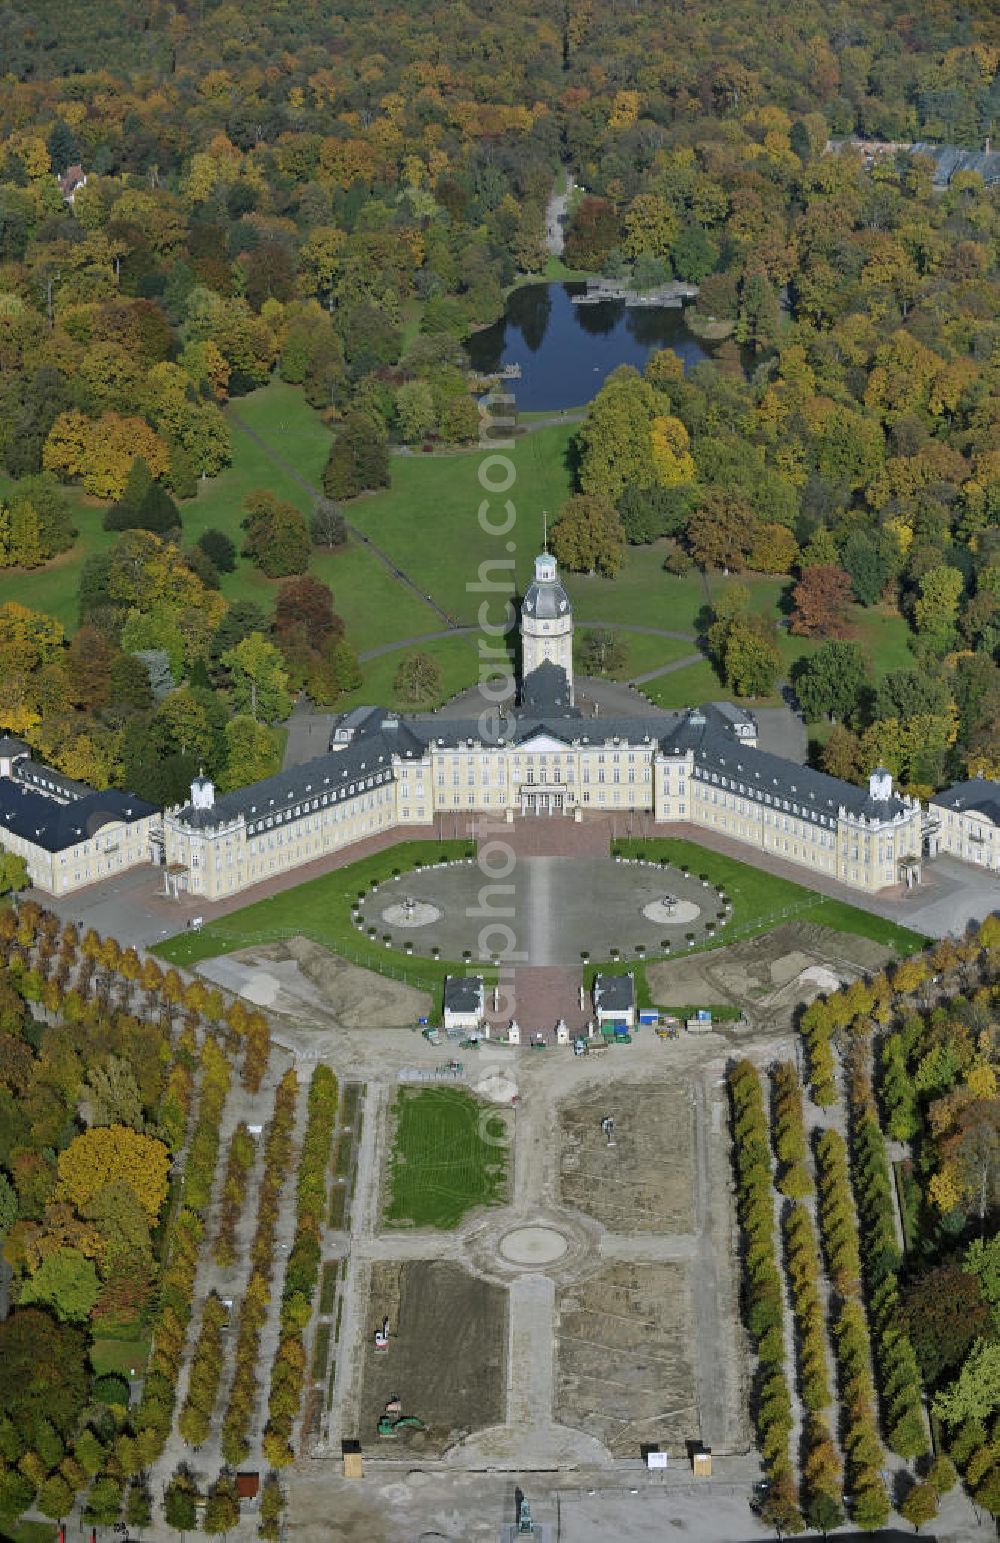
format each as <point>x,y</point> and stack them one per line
<point>9,745</point>
<point>46,780</point>
<point>55,826</point>
<point>327,779</point>
<point>546,601</point>
<point>812,793</point>
<point>614,993</point>
<point>978,796</point>
<point>463,993</point>
<point>949,160</point>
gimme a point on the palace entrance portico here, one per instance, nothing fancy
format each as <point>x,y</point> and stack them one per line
<point>545,799</point>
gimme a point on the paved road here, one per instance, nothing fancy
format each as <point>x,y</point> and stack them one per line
<point>555,213</point>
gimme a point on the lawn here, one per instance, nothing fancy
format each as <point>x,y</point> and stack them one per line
<point>320,909</point>
<point>643,651</point>
<point>54,589</point>
<point>428,520</point>
<point>119,1355</point>
<point>458,658</point>
<point>762,900</point>
<point>449,1155</point>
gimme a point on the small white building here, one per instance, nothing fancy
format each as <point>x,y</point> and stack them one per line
<point>614,999</point>
<point>464,1002</point>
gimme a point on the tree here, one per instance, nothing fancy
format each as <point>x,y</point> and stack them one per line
<point>720,531</point>
<point>694,254</point>
<point>63,146</point>
<point>615,442</point>
<point>975,1393</point>
<point>271,1505</point>
<point>358,458</point>
<point>758,321</point>
<point>935,611</point>
<point>588,536</point>
<point>649,513</point>
<point>415,412</point>
<point>43,1370</point>
<point>869,565</point>
<point>774,549</point>
<point>651,227</point>
<point>870,1507</point>
<point>418,678</point>
<point>920,1505</point>
<point>55,1498</point>
<point>222,1508</point>
<point>66,1281</point>
<point>672,459</point>
<point>306,604</point>
<point>13,873</point>
<point>277,538</point>
<point>830,681</point>
<point>823,1513</point>
<point>107,1154</point>
<point>180,1502</point>
<point>603,652</point>
<point>591,234</point>
<point>251,753</point>
<point>745,650</point>
<point>327,527</point>
<point>220,550</point>
<point>822,600</point>
<point>258,679</point>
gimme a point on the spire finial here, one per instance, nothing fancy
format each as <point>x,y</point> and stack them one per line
<point>545,530</point>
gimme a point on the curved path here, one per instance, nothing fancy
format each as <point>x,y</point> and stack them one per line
<point>353,530</point>
<point>452,628</point>
<point>459,630</point>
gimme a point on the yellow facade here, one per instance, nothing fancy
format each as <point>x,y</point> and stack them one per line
<point>545,775</point>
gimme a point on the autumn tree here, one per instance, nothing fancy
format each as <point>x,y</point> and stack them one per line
<point>258,680</point>
<point>588,536</point>
<point>720,532</point>
<point>110,1153</point>
<point>822,599</point>
<point>277,538</point>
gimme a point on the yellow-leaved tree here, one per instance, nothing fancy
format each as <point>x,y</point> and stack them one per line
<point>110,1154</point>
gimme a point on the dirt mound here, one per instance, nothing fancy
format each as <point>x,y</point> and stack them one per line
<point>357,998</point>
<point>777,970</point>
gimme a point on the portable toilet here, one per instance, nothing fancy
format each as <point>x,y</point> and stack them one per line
<point>562,1032</point>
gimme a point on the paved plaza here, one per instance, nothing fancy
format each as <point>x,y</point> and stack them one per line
<point>550,908</point>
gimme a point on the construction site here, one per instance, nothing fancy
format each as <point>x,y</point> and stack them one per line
<point>534,1271</point>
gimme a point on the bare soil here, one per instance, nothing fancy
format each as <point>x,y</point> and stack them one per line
<point>313,988</point>
<point>626,1357</point>
<point>642,1183</point>
<point>771,974</point>
<point>446,1359</point>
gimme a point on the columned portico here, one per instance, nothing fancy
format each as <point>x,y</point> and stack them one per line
<point>540,799</point>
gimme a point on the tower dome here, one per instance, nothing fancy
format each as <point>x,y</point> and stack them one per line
<point>547,622</point>
<point>545,599</point>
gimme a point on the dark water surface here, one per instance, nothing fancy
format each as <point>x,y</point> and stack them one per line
<point>566,351</point>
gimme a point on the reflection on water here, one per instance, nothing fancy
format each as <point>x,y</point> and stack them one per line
<point>566,351</point>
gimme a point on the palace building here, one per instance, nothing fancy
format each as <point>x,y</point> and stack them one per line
<point>384,772</point>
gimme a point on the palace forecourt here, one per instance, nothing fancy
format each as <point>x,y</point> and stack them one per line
<point>385,772</point>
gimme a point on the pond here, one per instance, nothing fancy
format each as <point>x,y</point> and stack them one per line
<point>566,351</point>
